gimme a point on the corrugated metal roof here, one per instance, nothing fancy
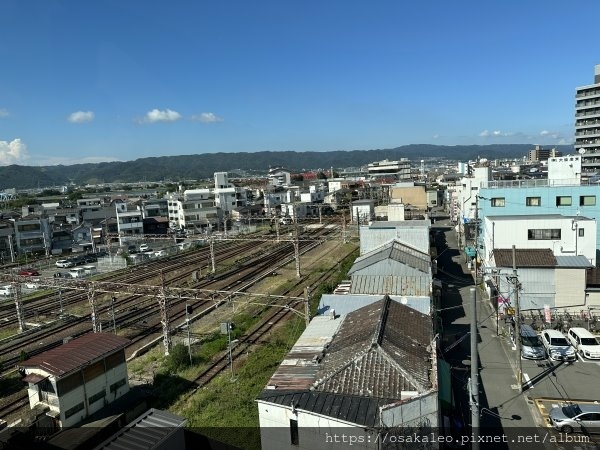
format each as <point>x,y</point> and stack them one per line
<point>150,430</point>
<point>344,304</point>
<point>76,353</point>
<point>402,285</point>
<point>578,261</point>
<point>396,251</point>
<point>530,257</point>
<point>379,351</point>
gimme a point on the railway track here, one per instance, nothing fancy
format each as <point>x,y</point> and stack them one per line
<point>243,274</point>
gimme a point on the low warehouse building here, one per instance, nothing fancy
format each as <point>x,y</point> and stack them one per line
<point>78,378</point>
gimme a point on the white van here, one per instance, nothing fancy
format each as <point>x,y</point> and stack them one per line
<point>77,272</point>
<point>584,342</point>
<point>90,270</point>
<point>7,290</point>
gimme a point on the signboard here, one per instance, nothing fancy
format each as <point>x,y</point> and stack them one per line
<point>547,315</point>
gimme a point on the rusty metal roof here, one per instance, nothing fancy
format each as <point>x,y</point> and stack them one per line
<point>530,257</point>
<point>76,354</point>
<point>375,354</point>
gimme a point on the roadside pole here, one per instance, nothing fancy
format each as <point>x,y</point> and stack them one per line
<point>474,383</point>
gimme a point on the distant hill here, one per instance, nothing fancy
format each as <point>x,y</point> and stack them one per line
<point>204,165</point>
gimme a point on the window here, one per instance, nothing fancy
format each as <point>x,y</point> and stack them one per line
<point>94,398</point>
<point>563,201</point>
<point>533,201</point>
<point>74,410</point>
<point>581,232</point>
<point>498,202</point>
<point>294,432</point>
<point>117,385</point>
<point>587,200</point>
<point>543,234</point>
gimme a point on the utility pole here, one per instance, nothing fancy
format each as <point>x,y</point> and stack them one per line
<point>19,306</point>
<point>474,383</point>
<point>163,303</point>
<point>307,305</point>
<point>188,309</point>
<point>112,312</point>
<point>212,253</point>
<point>91,294</point>
<point>517,331</point>
<point>296,243</point>
<point>476,240</point>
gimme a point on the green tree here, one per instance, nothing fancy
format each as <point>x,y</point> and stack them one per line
<point>178,358</point>
<point>74,196</point>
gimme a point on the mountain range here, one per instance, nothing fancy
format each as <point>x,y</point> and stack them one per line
<point>202,166</point>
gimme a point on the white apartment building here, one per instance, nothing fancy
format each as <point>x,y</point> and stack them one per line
<point>564,235</point>
<point>587,125</point>
<point>195,208</point>
<point>398,170</point>
<point>129,223</point>
<point>228,196</point>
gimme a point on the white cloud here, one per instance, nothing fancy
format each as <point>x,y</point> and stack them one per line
<point>81,117</point>
<point>3,113</point>
<point>156,115</point>
<point>208,117</point>
<point>551,134</point>
<point>13,152</point>
<point>495,133</point>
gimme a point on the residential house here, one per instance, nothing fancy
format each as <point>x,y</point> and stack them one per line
<point>364,372</point>
<point>78,378</point>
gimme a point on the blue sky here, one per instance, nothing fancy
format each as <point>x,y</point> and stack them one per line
<point>120,80</point>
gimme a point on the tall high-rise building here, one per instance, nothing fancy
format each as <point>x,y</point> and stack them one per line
<point>587,126</point>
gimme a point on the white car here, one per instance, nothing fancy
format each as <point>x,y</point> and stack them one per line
<point>144,248</point>
<point>7,290</point>
<point>64,263</point>
<point>584,342</point>
<point>557,346</point>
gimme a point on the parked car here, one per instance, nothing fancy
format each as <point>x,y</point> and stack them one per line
<point>77,272</point>
<point>78,260</point>
<point>29,272</point>
<point>144,248</point>
<point>7,290</point>
<point>557,346</point>
<point>32,284</point>
<point>576,417</point>
<point>90,258</point>
<point>585,343</point>
<point>160,253</point>
<point>64,263</point>
<point>531,344</point>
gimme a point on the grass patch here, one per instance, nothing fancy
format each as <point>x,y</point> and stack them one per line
<point>226,411</point>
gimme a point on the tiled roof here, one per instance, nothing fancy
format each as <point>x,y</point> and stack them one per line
<point>530,257</point>
<point>379,351</point>
<point>379,354</point>
<point>77,353</point>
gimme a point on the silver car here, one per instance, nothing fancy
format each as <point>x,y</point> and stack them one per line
<point>557,346</point>
<point>576,417</point>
